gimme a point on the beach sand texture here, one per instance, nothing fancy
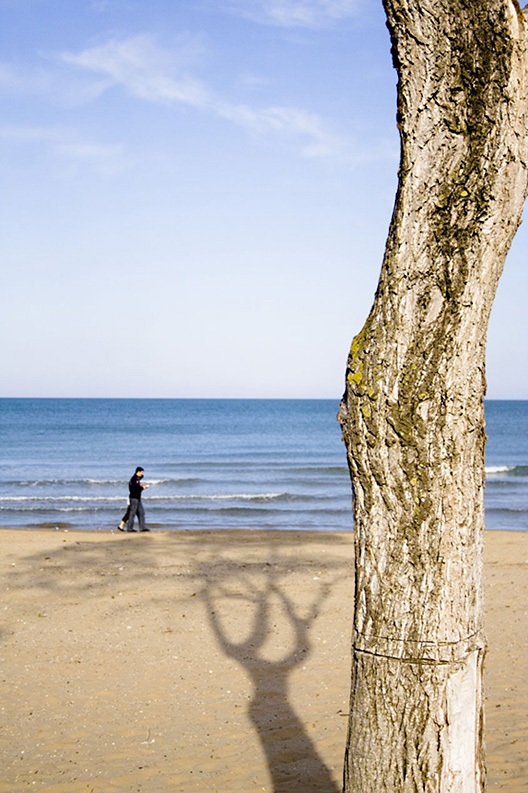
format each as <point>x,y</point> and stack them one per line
<point>184,661</point>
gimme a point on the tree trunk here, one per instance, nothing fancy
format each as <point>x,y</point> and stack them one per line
<point>412,414</point>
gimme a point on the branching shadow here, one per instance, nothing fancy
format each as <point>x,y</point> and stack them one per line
<point>269,637</point>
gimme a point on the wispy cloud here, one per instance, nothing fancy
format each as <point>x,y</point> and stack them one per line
<point>317,138</point>
<point>152,74</point>
<point>314,14</point>
<point>23,81</point>
<point>143,69</point>
<point>107,159</point>
<point>101,5</point>
<point>52,84</point>
<point>65,145</point>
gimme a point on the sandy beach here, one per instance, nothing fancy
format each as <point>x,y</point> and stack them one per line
<point>173,662</point>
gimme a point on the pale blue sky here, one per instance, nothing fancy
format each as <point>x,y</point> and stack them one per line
<point>195,198</point>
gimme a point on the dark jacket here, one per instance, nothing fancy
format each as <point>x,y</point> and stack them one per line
<point>134,487</point>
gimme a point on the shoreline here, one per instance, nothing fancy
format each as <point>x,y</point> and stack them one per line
<point>158,527</point>
<point>210,659</point>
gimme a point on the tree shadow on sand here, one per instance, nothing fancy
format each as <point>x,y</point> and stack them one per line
<point>269,636</point>
<point>261,615</point>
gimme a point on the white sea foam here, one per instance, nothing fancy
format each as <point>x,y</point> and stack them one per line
<point>222,497</point>
<point>61,498</point>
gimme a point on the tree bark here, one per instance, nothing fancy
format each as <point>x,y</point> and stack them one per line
<point>412,415</point>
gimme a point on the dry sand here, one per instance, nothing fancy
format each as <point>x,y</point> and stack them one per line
<point>174,662</point>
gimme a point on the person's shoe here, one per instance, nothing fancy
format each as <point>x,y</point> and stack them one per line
<point>121,526</point>
<point>144,529</point>
<point>132,530</point>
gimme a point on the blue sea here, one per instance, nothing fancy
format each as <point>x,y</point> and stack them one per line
<point>257,464</point>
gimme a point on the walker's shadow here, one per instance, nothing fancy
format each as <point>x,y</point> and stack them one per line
<point>269,637</point>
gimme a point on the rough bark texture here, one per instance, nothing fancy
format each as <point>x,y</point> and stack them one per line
<point>412,414</point>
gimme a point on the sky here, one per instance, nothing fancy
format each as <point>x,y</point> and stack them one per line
<point>195,198</point>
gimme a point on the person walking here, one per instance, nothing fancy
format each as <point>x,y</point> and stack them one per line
<point>135,505</point>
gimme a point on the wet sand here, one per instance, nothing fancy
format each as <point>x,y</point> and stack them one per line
<point>174,662</point>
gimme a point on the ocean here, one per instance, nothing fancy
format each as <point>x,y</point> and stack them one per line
<point>256,464</point>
